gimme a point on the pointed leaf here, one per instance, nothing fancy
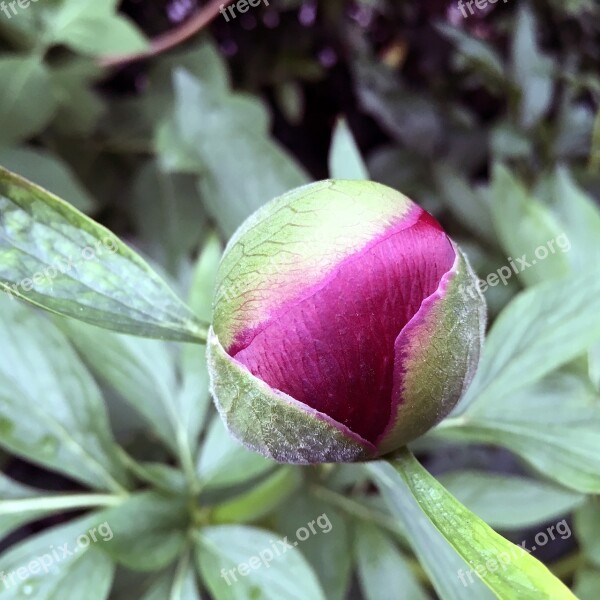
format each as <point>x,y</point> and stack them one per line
<point>345,160</point>
<point>57,258</point>
<point>66,428</point>
<point>508,570</point>
<point>234,550</point>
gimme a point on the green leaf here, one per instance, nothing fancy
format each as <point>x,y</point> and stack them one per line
<point>382,569</point>
<point>465,202</point>
<point>433,551</point>
<point>169,214</point>
<point>209,128</point>
<point>63,563</point>
<point>508,141</point>
<point>579,217</point>
<point>66,428</point>
<point>194,395</point>
<point>532,70</point>
<point>224,462</point>
<point>510,502</point>
<point>50,172</point>
<point>272,570</point>
<point>327,549</point>
<point>57,258</point>
<point>587,583</point>
<point>413,119</point>
<point>177,584</point>
<point>25,97</point>
<point>594,366</point>
<point>538,246</point>
<point>474,52</point>
<point>143,373</point>
<point>149,530</point>
<point>11,490</point>
<point>163,477</point>
<point>554,426</point>
<point>508,570</point>
<point>260,500</point>
<point>543,328</point>
<point>80,106</point>
<point>587,526</point>
<point>345,160</point>
<point>21,504</point>
<point>94,28</point>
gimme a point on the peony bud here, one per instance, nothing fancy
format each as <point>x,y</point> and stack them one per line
<point>341,331</point>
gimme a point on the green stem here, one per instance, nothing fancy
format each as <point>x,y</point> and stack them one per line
<point>187,463</point>
<point>69,502</point>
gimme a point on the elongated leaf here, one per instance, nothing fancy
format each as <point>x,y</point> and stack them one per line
<point>345,161</point>
<point>532,70</point>
<point>143,373</point>
<point>554,425</point>
<point>260,500</point>
<point>11,490</point>
<point>327,549</point>
<point>587,525</point>
<point>77,24</point>
<point>66,428</point>
<point>149,530</point>
<point>20,504</point>
<point>579,216</point>
<point>194,396</point>
<point>508,570</point>
<point>537,245</point>
<point>26,100</point>
<point>241,563</point>
<point>479,55</point>
<point>510,502</point>
<point>50,172</point>
<point>542,328</point>
<point>177,584</point>
<point>465,202</point>
<point>55,257</point>
<point>225,462</point>
<point>382,570</point>
<point>587,583</point>
<point>445,568</point>
<point>206,129</point>
<point>169,215</point>
<point>594,366</point>
<point>63,563</point>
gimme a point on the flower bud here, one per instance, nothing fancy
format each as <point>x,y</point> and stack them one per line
<point>341,331</point>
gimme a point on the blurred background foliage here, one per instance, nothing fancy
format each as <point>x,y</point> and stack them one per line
<point>490,122</point>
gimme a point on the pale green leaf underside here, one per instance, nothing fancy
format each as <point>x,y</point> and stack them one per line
<point>57,258</point>
<point>51,411</point>
<point>541,329</point>
<point>287,576</point>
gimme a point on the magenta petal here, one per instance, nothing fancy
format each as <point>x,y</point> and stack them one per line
<point>333,348</point>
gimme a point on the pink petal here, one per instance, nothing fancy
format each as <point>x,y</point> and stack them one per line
<point>333,348</point>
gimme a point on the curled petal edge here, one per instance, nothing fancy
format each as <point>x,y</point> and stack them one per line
<point>275,424</point>
<point>436,356</point>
